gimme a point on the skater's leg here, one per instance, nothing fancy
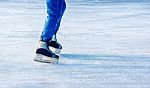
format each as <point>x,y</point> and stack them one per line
<point>53,15</point>
<point>63,8</point>
<point>54,45</point>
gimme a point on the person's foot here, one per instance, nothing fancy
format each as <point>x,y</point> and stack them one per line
<point>44,54</point>
<point>54,46</point>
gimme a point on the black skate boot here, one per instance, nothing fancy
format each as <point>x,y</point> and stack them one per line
<point>44,54</point>
<point>54,46</point>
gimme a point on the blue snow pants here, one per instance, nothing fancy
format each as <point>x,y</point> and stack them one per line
<point>55,11</point>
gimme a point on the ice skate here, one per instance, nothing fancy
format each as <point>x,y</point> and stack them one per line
<point>44,54</point>
<point>54,46</point>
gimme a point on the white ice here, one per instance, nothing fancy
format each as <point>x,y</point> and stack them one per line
<point>106,44</point>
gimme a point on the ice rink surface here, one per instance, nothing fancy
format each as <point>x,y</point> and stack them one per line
<point>106,44</point>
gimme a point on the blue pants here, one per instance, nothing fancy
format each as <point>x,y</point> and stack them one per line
<point>55,11</point>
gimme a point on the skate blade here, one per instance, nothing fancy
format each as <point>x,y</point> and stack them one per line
<point>54,50</point>
<point>45,59</point>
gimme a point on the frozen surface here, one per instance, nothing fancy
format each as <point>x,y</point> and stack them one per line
<point>106,44</point>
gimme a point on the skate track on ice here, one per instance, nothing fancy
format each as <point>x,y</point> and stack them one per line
<point>106,44</point>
